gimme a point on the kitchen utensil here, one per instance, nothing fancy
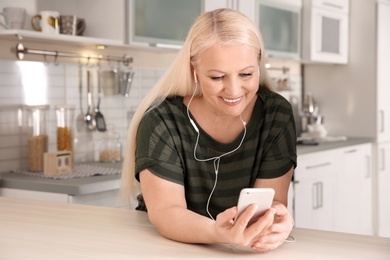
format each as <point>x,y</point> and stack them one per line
<point>80,122</point>
<point>129,83</point>
<point>308,104</point>
<point>99,118</point>
<point>89,116</point>
<point>125,80</point>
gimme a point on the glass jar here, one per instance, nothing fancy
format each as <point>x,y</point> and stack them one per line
<point>38,139</point>
<point>110,148</point>
<point>65,114</point>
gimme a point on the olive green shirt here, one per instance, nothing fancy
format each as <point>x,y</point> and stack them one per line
<point>166,141</point>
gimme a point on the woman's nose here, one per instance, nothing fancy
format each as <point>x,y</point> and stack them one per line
<point>233,86</point>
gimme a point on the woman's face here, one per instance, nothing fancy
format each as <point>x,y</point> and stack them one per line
<point>228,77</point>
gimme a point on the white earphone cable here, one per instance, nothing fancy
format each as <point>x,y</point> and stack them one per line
<point>215,158</point>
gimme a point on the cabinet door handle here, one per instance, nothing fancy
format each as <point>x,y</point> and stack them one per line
<point>351,151</point>
<point>383,163</point>
<point>382,120</point>
<point>318,165</point>
<point>317,195</point>
<point>368,173</point>
<point>320,193</point>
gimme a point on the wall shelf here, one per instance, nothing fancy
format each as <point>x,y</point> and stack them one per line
<point>58,38</point>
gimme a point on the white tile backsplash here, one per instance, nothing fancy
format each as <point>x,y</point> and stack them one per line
<point>33,83</point>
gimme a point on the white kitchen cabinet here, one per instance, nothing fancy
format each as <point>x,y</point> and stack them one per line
<point>246,7</point>
<point>326,31</point>
<point>383,75</point>
<point>353,212</point>
<point>384,189</point>
<point>314,181</point>
<point>160,23</point>
<point>280,24</point>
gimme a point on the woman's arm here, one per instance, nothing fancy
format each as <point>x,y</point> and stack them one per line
<point>167,210</point>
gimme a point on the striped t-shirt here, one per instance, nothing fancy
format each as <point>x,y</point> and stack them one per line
<point>166,141</point>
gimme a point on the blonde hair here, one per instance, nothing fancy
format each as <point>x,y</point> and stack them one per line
<point>222,26</point>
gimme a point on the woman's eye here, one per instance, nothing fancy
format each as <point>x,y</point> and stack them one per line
<point>217,78</point>
<point>245,75</point>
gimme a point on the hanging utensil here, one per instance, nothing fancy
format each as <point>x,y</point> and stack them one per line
<point>89,116</point>
<point>130,77</point>
<point>80,121</point>
<point>99,118</point>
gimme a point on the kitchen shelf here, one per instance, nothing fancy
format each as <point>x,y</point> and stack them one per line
<point>76,47</point>
<point>58,38</point>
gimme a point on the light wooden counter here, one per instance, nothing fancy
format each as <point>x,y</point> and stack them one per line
<point>46,230</point>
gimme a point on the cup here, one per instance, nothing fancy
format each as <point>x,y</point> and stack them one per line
<point>14,17</point>
<point>46,22</point>
<point>72,25</point>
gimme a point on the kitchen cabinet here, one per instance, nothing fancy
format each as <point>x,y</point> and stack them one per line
<point>280,24</point>
<point>314,181</point>
<point>383,75</point>
<point>383,112</point>
<point>162,23</point>
<point>384,189</point>
<point>333,190</point>
<point>326,31</point>
<point>354,194</point>
<point>246,7</point>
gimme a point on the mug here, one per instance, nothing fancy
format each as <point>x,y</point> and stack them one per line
<point>71,24</point>
<point>46,21</point>
<point>14,17</point>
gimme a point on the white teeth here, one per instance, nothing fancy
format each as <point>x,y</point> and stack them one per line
<point>232,100</point>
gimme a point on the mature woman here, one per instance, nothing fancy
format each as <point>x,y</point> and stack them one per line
<point>210,127</point>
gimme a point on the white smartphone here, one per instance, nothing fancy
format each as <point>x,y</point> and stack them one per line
<point>263,197</point>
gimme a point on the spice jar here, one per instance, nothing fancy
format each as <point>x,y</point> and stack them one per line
<point>65,114</point>
<point>38,139</point>
<point>110,148</point>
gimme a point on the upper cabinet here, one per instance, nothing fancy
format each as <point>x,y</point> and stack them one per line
<point>162,23</point>
<point>246,7</point>
<point>326,31</point>
<point>280,24</point>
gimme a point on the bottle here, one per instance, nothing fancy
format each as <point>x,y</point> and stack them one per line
<point>65,114</point>
<point>38,139</point>
<point>110,148</point>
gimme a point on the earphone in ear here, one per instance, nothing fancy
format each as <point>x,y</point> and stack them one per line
<point>258,70</point>
<point>195,78</point>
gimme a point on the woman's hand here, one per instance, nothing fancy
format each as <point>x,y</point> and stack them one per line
<point>276,233</point>
<point>237,232</point>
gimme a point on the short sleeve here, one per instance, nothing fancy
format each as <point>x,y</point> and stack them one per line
<point>280,140</point>
<point>156,150</point>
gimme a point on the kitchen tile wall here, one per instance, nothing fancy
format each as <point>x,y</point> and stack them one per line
<point>35,83</point>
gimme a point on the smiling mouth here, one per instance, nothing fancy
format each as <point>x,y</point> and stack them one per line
<point>231,101</point>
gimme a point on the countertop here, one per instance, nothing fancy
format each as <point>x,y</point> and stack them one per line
<point>75,186</point>
<point>80,186</point>
<point>47,230</point>
<point>323,146</point>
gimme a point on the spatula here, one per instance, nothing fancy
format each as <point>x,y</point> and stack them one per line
<point>99,118</point>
